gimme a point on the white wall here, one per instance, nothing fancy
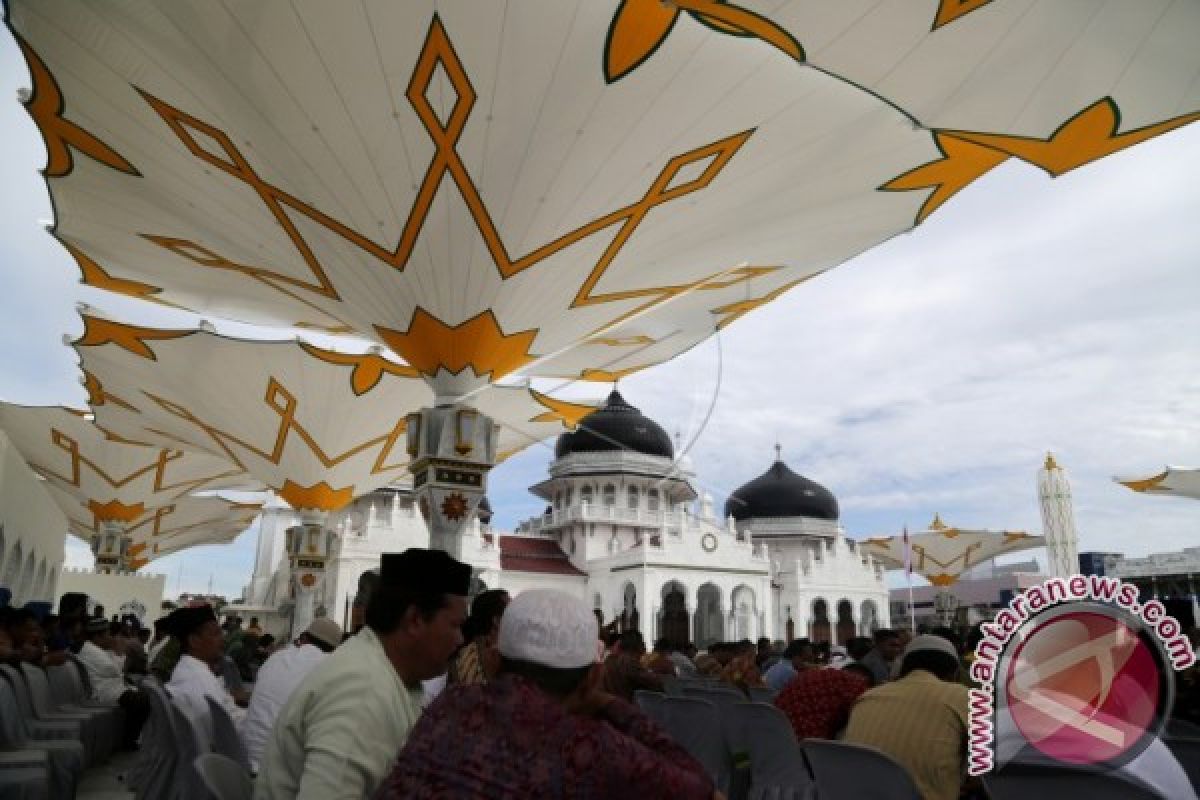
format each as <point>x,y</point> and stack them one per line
<point>33,531</point>
<point>112,590</point>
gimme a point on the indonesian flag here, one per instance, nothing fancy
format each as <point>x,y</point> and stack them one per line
<point>907,554</point>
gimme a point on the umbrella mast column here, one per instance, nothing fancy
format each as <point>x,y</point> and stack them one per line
<point>111,548</point>
<point>452,447</point>
<point>309,546</point>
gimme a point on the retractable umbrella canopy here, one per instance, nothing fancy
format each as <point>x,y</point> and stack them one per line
<point>157,532</point>
<point>568,188</point>
<point>115,478</point>
<point>943,553</point>
<point>317,426</point>
<point>1172,481</point>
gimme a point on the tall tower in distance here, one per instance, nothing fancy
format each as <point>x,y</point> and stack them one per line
<point>1058,519</point>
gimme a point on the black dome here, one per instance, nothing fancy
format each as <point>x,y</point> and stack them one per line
<point>616,426</point>
<point>779,492</point>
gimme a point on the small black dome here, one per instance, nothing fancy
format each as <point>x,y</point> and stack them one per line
<point>779,492</point>
<point>616,426</point>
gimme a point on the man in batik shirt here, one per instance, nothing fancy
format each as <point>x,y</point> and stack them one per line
<point>542,728</point>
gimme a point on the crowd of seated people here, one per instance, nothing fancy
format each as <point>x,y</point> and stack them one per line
<point>510,697</point>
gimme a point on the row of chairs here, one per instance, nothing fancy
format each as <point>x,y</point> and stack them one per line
<point>678,686</point>
<point>751,751</point>
<point>175,763</point>
<point>50,731</point>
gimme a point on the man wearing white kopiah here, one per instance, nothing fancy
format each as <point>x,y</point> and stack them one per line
<point>341,728</point>
<point>543,725</point>
<point>279,677</point>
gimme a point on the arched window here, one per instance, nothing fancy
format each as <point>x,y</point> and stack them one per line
<point>633,497</point>
<point>585,495</point>
<point>610,496</point>
<point>652,499</point>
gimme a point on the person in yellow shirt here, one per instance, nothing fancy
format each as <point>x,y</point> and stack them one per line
<point>920,719</point>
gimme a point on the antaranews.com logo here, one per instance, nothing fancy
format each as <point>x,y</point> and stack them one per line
<point>1076,669</point>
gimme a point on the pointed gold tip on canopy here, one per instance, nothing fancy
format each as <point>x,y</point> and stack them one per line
<point>1050,462</point>
<point>937,524</point>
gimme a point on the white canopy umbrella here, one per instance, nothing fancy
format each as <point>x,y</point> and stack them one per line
<point>943,553</point>
<point>568,188</point>
<point>1172,481</point>
<point>319,427</point>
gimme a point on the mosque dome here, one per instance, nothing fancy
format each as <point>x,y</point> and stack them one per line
<point>779,492</point>
<point>616,426</point>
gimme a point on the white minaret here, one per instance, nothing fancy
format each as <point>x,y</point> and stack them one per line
<point>1058,519</point>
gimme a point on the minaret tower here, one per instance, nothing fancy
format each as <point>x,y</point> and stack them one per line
<point>1058,519</point>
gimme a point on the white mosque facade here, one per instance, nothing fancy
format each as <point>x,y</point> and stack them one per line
<point>624,529</point>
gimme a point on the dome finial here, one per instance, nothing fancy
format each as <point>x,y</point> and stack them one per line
<point>778,451</point>
<point>1050,462</point>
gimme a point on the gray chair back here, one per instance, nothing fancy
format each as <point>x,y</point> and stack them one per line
<point>62,689</point>
<point>762,734</point>
<point>1043,782</point>
<point>192,743</point>
<point>226,740</point>
<point>841,769</point>
<point>14,732</point>
<point>224,778</point>
<point>761,694</point>
<point>696,726</point>
<point>650,703</point>
<point>672,686</point>
<point>24,783</point>
<point>717,695</point>
<point>158,759</point>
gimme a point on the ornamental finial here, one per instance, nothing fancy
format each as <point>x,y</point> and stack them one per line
<point>1050,462</point>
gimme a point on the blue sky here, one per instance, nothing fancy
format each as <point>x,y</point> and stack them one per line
<point>930,374</point>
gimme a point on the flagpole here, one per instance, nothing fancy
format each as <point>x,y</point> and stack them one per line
<point>912,613</point>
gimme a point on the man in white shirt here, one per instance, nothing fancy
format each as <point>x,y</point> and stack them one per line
<point>342,728</point>
<point>108,683</point>
<point>278,678</point>
<point>201,645</point>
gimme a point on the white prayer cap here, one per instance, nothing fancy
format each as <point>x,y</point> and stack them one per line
<point>550,628</point>
<point>928,641</point>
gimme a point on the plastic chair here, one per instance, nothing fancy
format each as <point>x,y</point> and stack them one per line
<point>1187,753</point>
<point>761,694</point>
<point>764,735</point>
<point>696,726</point>
<point>1042,782</point>
<point>651,703</point>
<point>98,725</point>
<point>158,758</point>
<point>223,777</point>
<point>193,743</point>
<point>718,695</point>
<point>672,686</point>
<point>63,760</point>
<point>226,741</point>
<point>842,769</point>
<point>24,783</point>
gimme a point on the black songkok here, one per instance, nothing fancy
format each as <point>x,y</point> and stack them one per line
<point>183,622</point>
<point>425,571</point>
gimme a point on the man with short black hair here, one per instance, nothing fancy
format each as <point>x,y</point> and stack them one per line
<point>278,678</point>
<point>797,656</point>
<point>881,658</point>
<point>623,670</point>
<point>920,719</point>
<point>201,648</point>
<point>340,730</point>
<point>543,727</point>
